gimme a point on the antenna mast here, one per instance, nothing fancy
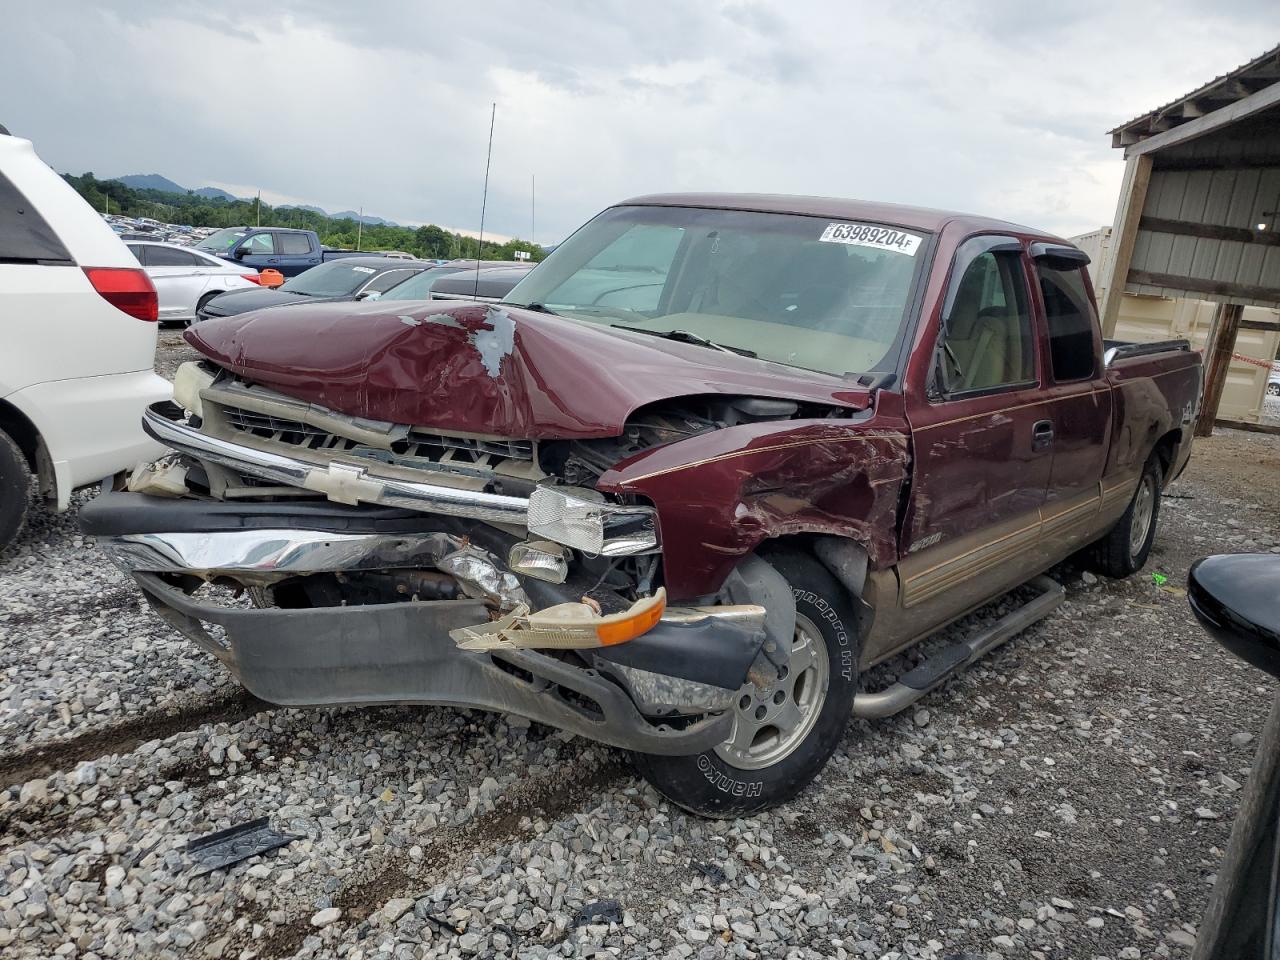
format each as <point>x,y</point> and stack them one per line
<point>484,199</point>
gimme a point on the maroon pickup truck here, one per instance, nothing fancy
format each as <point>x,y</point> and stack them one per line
<point>704,466</point>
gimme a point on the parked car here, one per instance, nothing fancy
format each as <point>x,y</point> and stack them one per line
<point>681,517</point>
<point>355,278</point>
<point>77,315</point>
<point>186,280</point>
<point>494,283</point>
<point>287,250</point>
<point>488,286</point>
<point>1233,596</point>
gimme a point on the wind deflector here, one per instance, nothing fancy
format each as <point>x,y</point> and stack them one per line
<point>1059,256</point>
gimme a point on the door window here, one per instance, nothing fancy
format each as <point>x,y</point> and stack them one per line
<point>388,280</point>
<point>1068,310</point>
<point>987,339</point>
<point>165,257</point>
<point>260,243</point>
<point>139,252</point>
<point>294,244</point>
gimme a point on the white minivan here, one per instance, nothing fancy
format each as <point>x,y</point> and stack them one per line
<point>77,341</point>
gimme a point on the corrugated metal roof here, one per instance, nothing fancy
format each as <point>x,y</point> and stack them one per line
<point>1244,80</point>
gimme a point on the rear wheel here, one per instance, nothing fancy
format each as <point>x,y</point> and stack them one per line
<point>1125,549</point>
<point>15,489</point>
<point>200,305</point>
<point>1273,389</point>
<point>785,728</point>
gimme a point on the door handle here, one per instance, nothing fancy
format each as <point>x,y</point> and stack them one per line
<point>1041,434</point>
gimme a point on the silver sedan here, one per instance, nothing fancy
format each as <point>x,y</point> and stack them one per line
<point>187,279</point>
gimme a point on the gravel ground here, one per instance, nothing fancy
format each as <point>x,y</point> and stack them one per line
<point>1271,411</point>
<point>1068,797</point>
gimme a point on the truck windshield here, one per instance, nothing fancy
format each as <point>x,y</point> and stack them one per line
<point>222,240</point>
<point>338,278</point>
<point>823,294</point>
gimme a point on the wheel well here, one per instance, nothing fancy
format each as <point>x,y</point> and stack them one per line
<point>23,432</point>
<point>1165,449</point>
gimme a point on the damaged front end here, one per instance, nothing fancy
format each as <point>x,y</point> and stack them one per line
<point>327,560</point>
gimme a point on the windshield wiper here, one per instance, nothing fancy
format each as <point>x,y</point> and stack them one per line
<point>687,336</point>
<point>533,307</point>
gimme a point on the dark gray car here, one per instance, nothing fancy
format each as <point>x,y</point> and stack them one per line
<point>353,278</point>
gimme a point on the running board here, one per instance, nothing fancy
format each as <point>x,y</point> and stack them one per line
<point>915,683</point>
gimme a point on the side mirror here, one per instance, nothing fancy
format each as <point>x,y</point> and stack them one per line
<point>368,295</point>
<point>1233,596</point>
<point>240,252</point>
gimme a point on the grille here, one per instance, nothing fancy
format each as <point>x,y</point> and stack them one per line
<point>417,445</point>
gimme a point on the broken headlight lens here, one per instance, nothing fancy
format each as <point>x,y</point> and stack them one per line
<point>583,519</point>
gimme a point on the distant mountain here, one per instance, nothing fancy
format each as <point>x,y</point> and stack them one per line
<point>215,193</point>
<point>151,181</point>
<point>372,221</point>
<point>154,181</point>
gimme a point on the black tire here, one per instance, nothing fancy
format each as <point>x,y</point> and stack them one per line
<point>708,784</point>
<point>15,489</point>
<point>1122,552</point>
<point>1273,389</point>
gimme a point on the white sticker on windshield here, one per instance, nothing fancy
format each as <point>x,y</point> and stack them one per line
<point>364,270</point>
<point>867,235</point>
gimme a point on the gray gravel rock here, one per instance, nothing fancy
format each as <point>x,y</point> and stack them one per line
<point>1049,802</point>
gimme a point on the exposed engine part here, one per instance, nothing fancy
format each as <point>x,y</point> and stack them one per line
<point>581,462</point>
<point>482,578</point>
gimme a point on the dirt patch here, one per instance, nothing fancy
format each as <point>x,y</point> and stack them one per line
<point>122,738</point>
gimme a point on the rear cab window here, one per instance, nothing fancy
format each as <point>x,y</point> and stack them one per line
<point>1069,314</point>
<point>293,244</point>
<point>25,236</point>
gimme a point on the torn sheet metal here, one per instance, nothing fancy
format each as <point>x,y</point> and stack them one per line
<point>565,626</point>
<point>166,477</point>
<point>482,579</point>
<point>225,848</point>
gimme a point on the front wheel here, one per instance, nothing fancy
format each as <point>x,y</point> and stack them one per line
<point>1273,389</point>
<point>786,726</point>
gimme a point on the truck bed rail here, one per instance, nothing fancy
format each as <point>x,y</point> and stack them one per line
<point>1114,350</point>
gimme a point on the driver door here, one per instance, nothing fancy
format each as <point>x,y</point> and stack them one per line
<point>983,454</point>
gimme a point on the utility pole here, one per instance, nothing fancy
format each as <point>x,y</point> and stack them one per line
<point>359,226</point>
<point>259,208</point>
<point>533,206</point>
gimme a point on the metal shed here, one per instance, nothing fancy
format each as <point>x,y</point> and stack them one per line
<point>1199,208</point>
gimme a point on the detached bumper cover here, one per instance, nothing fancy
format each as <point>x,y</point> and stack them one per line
<point>401,653</point>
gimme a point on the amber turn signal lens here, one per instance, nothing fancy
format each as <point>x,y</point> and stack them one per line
<point>620,631</point>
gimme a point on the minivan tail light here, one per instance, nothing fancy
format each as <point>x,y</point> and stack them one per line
<point>126,288</point>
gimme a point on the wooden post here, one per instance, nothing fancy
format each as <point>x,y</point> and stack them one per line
<point>1124,232</point>
<point>1222,344</point>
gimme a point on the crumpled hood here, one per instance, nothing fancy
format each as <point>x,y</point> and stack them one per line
<point>474,368</point>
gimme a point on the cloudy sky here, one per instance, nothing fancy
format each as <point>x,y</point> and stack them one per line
<point>987,106</point>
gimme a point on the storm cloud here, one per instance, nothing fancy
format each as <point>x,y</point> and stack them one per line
<point>991,107</point>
